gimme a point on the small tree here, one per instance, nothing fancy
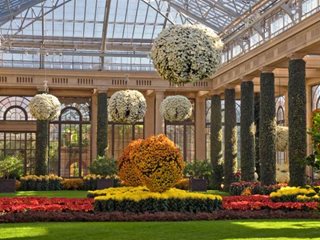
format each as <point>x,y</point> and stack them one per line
<point>11,167</point>
<point>104,166</point>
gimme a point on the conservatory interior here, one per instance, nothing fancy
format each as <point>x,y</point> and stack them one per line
<point>84,51</point>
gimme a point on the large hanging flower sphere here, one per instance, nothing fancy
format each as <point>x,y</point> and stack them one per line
<point>127,106</point>
<point>282,138</point>
<point>45,107</point>
<point>186,53</point>
<point>176,108</point>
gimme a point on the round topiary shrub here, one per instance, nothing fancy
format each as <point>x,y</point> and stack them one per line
<point>176,108</point>
<point>127,106</point>
<point>282,138</point>
<point>186,53</point>
<point>128,172</point>
<point>159,161</point>
<point>45,107</point>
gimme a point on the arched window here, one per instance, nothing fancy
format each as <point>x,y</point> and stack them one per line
<point>183,135</point>
<point>19,139</point>
<point>70,139</point>
<point>280,118</point>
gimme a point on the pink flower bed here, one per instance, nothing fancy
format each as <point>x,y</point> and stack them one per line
<point>258,202</point>
<point>22,204</point>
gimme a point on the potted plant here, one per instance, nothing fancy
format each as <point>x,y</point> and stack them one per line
<point>199,173</point>
<point>105,167</point>
<point>10,168</point>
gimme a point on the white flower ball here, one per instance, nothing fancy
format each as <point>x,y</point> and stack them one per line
<point>45,107</point>
<point>176,108</point>
<point>186,53</point>
<point>127,106</point>
<point>282,138</point>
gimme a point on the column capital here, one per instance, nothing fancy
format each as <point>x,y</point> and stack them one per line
<point>101,90</point>
<point>267,69</point>
<point>295,56</point>
<point>247,78</point>
<point>217,92</point>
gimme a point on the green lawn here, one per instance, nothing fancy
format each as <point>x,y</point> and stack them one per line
<point>66,194</point>
<point>213,230</point>
<point>217,192</point>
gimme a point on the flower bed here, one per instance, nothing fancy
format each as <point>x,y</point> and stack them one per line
<point>31,204</point>
<point>295,194</point>
<point>41,183</point>
<point>140,200</point>
<point>259,202</point>
<point>237,188</point>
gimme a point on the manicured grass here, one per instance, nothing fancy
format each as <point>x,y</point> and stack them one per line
<point>276,229</point>
<point>63,194</point>
<point>217,192</point>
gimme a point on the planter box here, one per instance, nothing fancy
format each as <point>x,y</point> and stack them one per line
<point>104,183</point>
<point>198,185</point>
<point>7,185</point>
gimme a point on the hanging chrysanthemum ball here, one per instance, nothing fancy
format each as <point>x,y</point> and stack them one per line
<point>186,53</point>
<point>45,107</point>
<point>282,138</point>
<point>127,106</point>
<point>176,108</point>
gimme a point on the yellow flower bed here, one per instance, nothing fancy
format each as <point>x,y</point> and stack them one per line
<point>140,193</point>
<point>294,194</point>
<point>140,199</point>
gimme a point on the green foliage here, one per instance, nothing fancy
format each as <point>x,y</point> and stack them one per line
<point>230,137</point>
<point>41,183</point>
<point>313,159</point>
<point>247,131</point>
<point>41,147</point>
<point>158,205</point>
<point>103,166</point>
<point>216,142</point>
<point>297,122</point>
<point>198,169</point>
<point>11,167</point>
<point>267,131</point>
<point>102,132</point>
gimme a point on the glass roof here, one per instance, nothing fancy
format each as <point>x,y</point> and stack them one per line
<point>100,34</point>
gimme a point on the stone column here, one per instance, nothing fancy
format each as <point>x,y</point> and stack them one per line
<point>267,129</point>
<point>149,118</point>
<point>297,121</point>
<point>230,137</point>
<point>159,121</point>
<point>102,119</point>
<point>94,124</point>
<point>200,128</point>
<point>216,140</point>
<point>247,131</point>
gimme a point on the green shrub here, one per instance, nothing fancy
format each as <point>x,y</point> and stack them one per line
<point>11,167</point>
<point>198,169</point>
<point>103,166</point>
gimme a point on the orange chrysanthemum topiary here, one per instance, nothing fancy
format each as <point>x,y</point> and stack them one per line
<point>128,172</point>
<point>159,161</point>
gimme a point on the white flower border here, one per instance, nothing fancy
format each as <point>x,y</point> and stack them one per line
<point>282,138</point>
<point>45,107</point>
<point>127,106</point>
<point>186,53</point>
<point>176,108</point>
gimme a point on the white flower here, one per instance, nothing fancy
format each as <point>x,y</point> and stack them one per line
<point>45,107</point>
<point>127,106</point>
<point>176,108</point>
<point>282,138</point>
<point>186,53</point>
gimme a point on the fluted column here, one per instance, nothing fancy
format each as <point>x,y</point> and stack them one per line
<point>200,128</point>
<point>247,131</point>
<point>102,128</point>
<point>297,121</point>
<point>267,129</point>
<point>159,121</point>
<point>230,137</point>
<point>216,140</point>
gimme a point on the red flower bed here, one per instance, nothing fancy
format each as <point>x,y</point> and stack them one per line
<point>258,202</point>
<point>22,204</point>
